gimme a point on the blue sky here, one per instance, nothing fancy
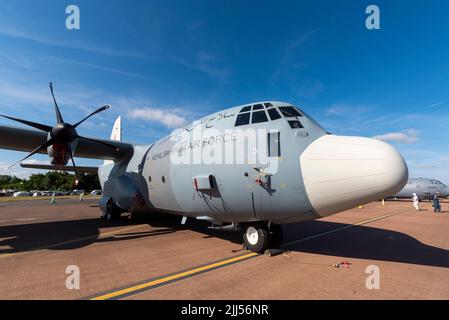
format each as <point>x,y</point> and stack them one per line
<point>171,62</point>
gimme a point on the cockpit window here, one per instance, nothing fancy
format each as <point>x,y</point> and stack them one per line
<point>242,119</point>
<point>290,112</point>
<point>295,124</point>
<point>259,116</point>
<point>246,109</point>
<point>274,114</point>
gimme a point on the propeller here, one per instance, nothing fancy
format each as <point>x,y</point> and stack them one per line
<point>62,133</point>
<point>43,146</point>
<point>59,118</point>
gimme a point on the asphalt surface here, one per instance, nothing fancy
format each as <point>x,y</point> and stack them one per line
<point>155,257</point>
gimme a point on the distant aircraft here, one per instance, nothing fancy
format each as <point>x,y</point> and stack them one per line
<point>250,168</point>
<point>424,188</point>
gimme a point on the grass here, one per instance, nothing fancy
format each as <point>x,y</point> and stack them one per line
<point>12,199</point>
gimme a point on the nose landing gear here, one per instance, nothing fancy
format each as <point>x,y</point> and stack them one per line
<point>259,237</point>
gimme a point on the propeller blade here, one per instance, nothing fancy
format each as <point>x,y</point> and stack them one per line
<point>59,118</point>
<point>100,142</point>
<point>30,123</point>
<point>103,108</point>
<point>73,161</point>
<point>45,145</point>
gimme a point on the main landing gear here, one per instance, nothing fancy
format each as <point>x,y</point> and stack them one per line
<point>259,237</point>
<point>111,212</point>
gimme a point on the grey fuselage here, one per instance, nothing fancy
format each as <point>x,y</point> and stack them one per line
<point>152,180</point>
<point>424,188</point>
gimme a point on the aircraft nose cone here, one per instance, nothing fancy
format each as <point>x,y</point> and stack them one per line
<point>343,172</point>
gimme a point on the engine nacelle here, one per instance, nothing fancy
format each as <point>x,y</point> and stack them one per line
<point>59,154</point>
<point>121,193</point>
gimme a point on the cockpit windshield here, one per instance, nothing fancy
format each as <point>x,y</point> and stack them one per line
<point>268,112</point>
<point>265,112</point>
<point>438,183</point>
<point>290,112</point>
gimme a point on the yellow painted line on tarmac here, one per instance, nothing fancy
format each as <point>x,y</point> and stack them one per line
<point>154,283</point>
<point>171,278</point>
<point>53,245</point>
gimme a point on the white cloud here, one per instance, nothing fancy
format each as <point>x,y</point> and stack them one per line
<point>20,172</point>
<point>94,48</point>
<point>406,136</point>
<point>206,63</point>
<point>337,110</point>
<point>168,118</point>
<point>34,161</point>
<point>347,110</point>
<point>285,64</point>
<point>24,93</point>
<point>425,165</point>
<point>74,100</point>
<point>434,105</point>
<point>96,66</point>
<point>310,89</point>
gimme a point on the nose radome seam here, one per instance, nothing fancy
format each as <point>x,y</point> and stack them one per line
<point>342,172</point>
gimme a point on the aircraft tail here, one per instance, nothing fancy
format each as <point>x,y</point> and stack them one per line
<point>116,134</point>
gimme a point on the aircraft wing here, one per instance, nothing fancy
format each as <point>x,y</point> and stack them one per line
<point>18,139</point>
<point>91,170</point>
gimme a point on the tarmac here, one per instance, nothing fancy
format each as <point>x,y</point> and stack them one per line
<point>155,257</point>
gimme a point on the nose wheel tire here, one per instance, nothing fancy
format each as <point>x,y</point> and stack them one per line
<point>256,238</point>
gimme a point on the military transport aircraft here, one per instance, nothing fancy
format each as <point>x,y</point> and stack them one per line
<point>424,188</point>
<point>293,171</point>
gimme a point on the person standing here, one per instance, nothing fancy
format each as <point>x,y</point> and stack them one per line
<point>436,202</point>
<point>415,199</point>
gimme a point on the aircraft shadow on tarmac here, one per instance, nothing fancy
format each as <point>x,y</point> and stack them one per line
<point>73,234</point>
<point>358,242</point>
<point>364,242</point>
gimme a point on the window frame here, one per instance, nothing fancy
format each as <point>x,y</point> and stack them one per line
<point>261,112</point>
<point>289,115</point>
<point>242,115</point>
<point>277,112</point>
<point>291,122</point>
<point>271,139</point>
<point>249,108</point>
